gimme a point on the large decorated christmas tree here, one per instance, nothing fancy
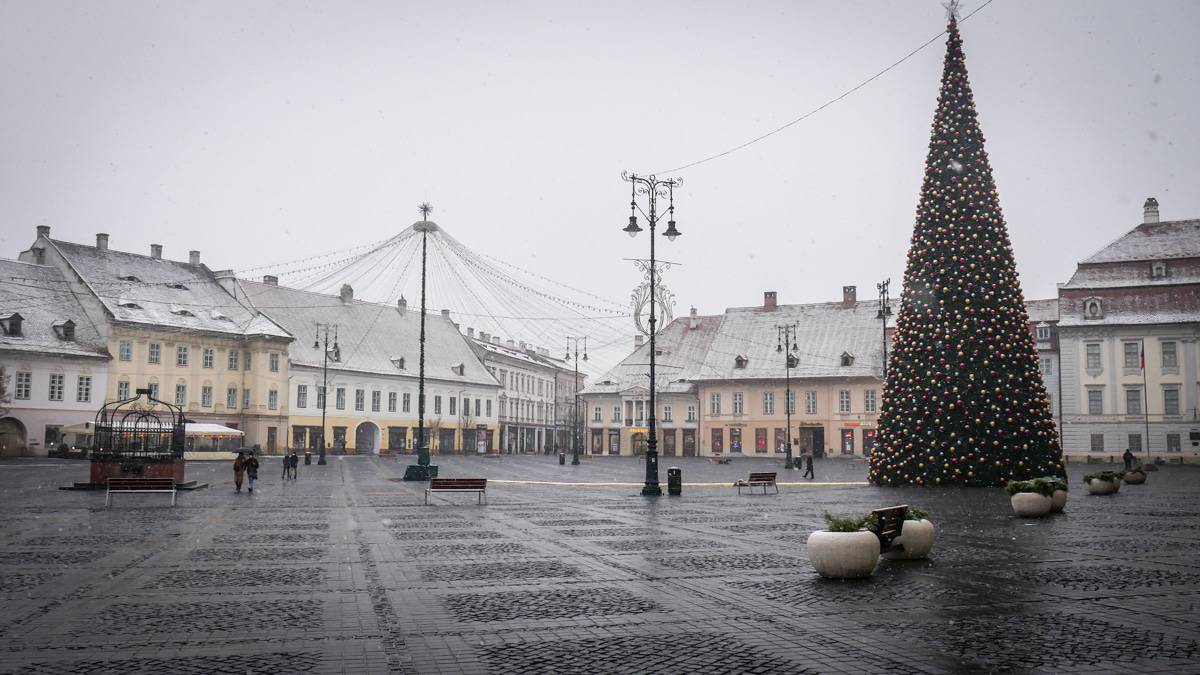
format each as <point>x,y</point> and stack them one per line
<point>964,401</point>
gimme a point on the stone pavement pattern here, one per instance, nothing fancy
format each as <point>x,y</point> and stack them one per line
<point>345,570</point>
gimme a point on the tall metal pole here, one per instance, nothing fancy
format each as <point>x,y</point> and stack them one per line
<point>652,188</point>
<point>884,311</point>
<point>422,444</point>
<point>788,333</point>
<point>576,418</point>
<point>324,328</point>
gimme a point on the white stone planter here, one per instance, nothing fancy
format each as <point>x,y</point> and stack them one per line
<point>1031,504</point>
<point>843,555</point>
<point>1134,477</point>
<point>916,537</point>
<point>1103,487</point>
<point>1058,501</point>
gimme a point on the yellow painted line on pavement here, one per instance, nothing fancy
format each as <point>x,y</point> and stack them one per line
<point>565,484</point>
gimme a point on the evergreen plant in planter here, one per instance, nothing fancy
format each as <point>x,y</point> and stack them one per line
<point>1031,498</point>
<point>916,537</point>
<point>1135,476</point>
<point>1103,483</point>
<point>1058,498</point>
<point>845,550</point>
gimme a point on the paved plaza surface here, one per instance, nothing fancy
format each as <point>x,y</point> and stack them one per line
<point>345,570</point>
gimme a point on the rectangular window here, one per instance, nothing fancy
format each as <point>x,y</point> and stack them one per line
<point>844,401</point>
<point>321,398</point>
<point>1135,443</point>
<point>1095,401</point>
<point>639,410</point>
<point>206,358</point>
<point>1173,443</point>
<point>596,414</point>
<point>1131,355</point>
<point>1047,364</point>
<point>339,398</point>
<point>83,389</point>
<point>869,401</point>
<point>477,405</point>
<point>714,404</point>
<point>437,405</point>
<point>181,395</point>
<point>453,405</point>
<point>810,402</point>
<point>245,360</point>
<point>56,387</point>
<point>391,401</point>
<point>125,350</point>
<point>1043,332</point>
<point>1170,357</point>
<point>206,396</point>
<point>274,361</point>
<point>233,359</point>
<point>273,399</point>
<point>154,355</point>
<point>691,413</point>
<point>1133,402</point>
<point>768,403</point>
<point>153,387</point>
<point>489,407</point>
<point>616,413</point>
<point>1171,401</point>
<point>24,386</point>
<point>181,356</point>
<point>245,398</point>
<point>737,403</point>
<point>123,389</point>
<point>407,400</point>
<point>666,413</point>
<point>1093,357</point>
<point>1097,443</point>
<point>302,396</point>
<point>231,398</point>
<point>376,400</point>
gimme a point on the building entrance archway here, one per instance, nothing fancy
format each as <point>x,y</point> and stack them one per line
<point>366,438</point>
<point>13,439</point>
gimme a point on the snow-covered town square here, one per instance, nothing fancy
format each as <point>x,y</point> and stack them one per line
<point>789,337</point>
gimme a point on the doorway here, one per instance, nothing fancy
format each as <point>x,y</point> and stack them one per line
<point>366,438</point>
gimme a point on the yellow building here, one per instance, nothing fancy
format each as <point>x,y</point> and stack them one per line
<point>172,329</point>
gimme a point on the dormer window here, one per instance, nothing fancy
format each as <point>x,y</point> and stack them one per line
<point>398,361</point>
<point>128,277</point>
<point>178,286</point>
<point>740,361</point>
<point>459,369</point>
<point>1158,269</point>
<point>65,330</point>
<point>847,359</point>
<point>1043,332</point>
<point>11,324</point>
<point>792,361</point>
<point>1093,308</point>
<point>129,304</point>
<point>335,354</point>
<point>218,316</point>
<point>181,311</point>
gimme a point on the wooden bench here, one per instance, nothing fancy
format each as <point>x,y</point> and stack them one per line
<point>763,479</point>
<point>144,485</point>
<point>891,523</point>
<point>458,485</point>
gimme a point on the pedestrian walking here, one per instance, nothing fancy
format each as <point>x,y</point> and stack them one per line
<point>294,464</point>
<point>286,461</point>
<point>239,469</point>
<point>808,467</point>
<point>1128,459</point>
<point>251,472</point>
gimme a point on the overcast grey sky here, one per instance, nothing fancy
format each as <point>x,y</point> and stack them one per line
<point>267,131</point>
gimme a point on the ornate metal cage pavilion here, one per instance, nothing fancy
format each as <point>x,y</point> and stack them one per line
<point>141,428</point>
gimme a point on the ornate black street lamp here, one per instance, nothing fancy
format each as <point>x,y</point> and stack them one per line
<point>576,420</point>
<point>885,310</point>
<point>786,336</point>
<point>651,188</point>
<point>323,330</point>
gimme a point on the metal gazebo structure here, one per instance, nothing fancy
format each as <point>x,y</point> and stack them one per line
<point>138,437</point>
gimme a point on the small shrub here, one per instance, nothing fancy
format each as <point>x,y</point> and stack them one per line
<point>1040,487</point>
<point>1104,475</point>
<point>916,513</point>
<point>1054,482</point>
<point>845,523</point>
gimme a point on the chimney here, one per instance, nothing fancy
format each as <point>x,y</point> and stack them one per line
<point>402,305</point>
<point>542,351</point>
<point>484,337</point>
<point>445,314</point>
<point>522,343</point>
<point>270,280</point>
<point>347,294</point>
<point>470,332</point>
<point>156,251</point>
<point>194,258</point>
<point>693,320</point>
<point>637,341</point>
<point>1149,211</point>
<point>495,339</point>
<point>43,231</point>
<point>101,241</point>
<point>849,296</point>
<point>770,301</point>
<point>511,344</point>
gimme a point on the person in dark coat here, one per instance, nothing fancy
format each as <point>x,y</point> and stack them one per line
<point>294,464</point>
<point>251,472</point>
<point>808,468</point>
<point>239,469</point>
<point>286,461</point>
<point>1128,459</point>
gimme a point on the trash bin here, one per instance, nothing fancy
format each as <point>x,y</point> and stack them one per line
<point>562,457</point>
<point>307,458</point>
<point>674,481</point>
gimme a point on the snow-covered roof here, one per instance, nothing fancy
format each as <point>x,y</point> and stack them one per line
<point>1128,275</point>
<point>824,332</point>
<point>681,355</point>
<point>141,289</point>
<point>1042,311</point>
<point>531,358</point>
<point>1152,241</point>
<point>42,297</point>
<point>369,334</point>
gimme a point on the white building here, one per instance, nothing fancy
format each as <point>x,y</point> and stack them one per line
<point>53,360</point>
<point>528,382</point>
<point>1043,322</point>
<point>1137,298</point>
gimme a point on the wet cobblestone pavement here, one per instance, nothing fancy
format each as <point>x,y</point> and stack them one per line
<point>345,570</point>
